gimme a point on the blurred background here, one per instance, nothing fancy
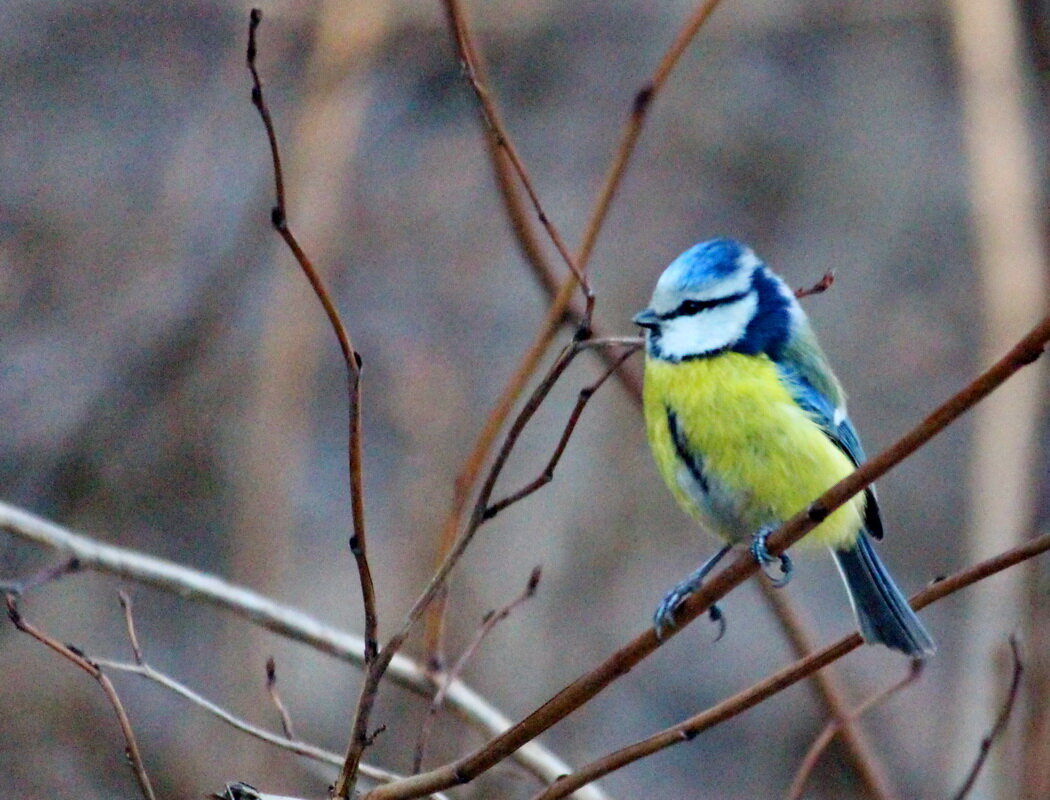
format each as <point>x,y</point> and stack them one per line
<point>169,383</point>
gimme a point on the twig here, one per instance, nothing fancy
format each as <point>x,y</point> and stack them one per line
<point>490,621</point>
<point>633,127</point>
<point>738,703</point>
<point>288,742</point>
<point>129,623</point>
<point>370,684</point>
<point>743,567</point>
<point>869,766</point>
<point>91,668</point>
<point>351,358</point>
<point>40,578</point>
<point>1000,723</point>
<point>191,584</point>
<point>547,475</point>
<point>282,711</point>
<point>492,120</point>
<point>819,287</point>
<point>820,744</point>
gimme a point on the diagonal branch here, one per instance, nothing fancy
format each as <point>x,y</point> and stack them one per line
<point>743,567</point>
<point>1000,723</point>
<point>191,584</point>
<point>687,730</point>
<point>840,724</point>
<point>93,669</point>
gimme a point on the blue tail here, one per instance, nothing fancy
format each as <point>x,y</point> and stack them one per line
<point>882,613</point>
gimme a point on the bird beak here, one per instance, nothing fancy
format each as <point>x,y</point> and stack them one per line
<point>647,319</point>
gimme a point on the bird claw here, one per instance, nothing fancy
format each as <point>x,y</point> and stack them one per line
<point>663,619</point>
<point>764,559</point>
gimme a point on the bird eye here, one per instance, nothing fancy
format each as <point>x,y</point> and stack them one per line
<point>690,307</point>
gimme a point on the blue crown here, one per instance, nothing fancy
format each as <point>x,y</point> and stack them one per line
<point>705,263</point>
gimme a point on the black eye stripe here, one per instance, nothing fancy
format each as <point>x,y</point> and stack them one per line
<point>688,308</point>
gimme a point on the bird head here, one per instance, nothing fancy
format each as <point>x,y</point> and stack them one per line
<point>718,296</point>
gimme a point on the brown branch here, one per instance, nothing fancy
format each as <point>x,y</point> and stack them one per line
<point>91,668</point>
<point>743,567</point>
<point>370,685</point>
<point>820,744</point>
<point>547,475</point>
<point>490,621</point>
<point>819,287</point>
<point>633,127</point>
<point>864,759</point>
<point>1000,723</point>
<point>492,119</point>
<point>790,675</point>
<point>351,358</point>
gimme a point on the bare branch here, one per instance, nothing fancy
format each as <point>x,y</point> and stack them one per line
<point>490,621</point>
<point>41,578</point>
<point>492,120</point>
<point>819,287</point>
<point>743,567</point>
<point>738,703</point>
<point>1000,723</point>
<point>91,668</point>
<point>283,620</point>
<point>870,768</point>
<point>835,726</point>
<point>547,475</point>
<point>282,711</point>
<point>351,358</point>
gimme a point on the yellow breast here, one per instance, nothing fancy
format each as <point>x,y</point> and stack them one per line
<point>762,457</point>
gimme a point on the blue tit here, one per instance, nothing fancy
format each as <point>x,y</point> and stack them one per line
<point>748,426</point>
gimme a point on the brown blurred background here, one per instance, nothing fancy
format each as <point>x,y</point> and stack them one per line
<point>168,382</point>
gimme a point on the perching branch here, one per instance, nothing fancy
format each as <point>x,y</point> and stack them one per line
<point>93,669</point>
<point>687,730</point>
<point>740,569</point>
<point>351,358</point>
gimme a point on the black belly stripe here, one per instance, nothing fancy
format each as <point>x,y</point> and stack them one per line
<point>692,463</point>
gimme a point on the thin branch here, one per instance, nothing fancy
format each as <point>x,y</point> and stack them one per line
<point>495,125</point>
<point>1000,723</point>
<point>275,697</point>
<point>869,766</point>
<point>129,623</point>
<point>687,730</point>
<point>835,726</point>
<point>93,669</point>
<point>633,127</point>
<point>547,475</point>
<point>41,578</point>
<point>191,584</point>
<point>819,287</point>
<point>488,623</point>
<point>351,358</point>
<point>370,685</point>
<point>743,567</point>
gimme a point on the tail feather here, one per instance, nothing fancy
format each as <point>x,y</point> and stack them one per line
<point>882,612</point>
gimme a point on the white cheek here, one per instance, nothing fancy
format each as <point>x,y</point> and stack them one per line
<point>708,331</point>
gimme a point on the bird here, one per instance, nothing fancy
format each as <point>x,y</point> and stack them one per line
<point>747,424</point>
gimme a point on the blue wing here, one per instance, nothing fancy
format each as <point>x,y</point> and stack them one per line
<point>842,434</point>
